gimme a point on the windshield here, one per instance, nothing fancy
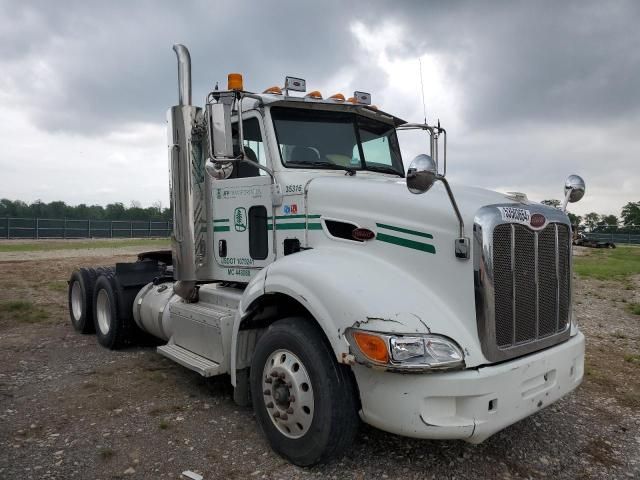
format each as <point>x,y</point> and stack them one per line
<point>335,140</point>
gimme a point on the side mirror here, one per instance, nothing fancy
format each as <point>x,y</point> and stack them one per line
<point>422,174</point>
<point>574,188</point>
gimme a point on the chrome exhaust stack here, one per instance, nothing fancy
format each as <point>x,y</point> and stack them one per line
<point>186,183</point>
<point>184,74</point>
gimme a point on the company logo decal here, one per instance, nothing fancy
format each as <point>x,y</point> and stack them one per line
<point>240,219</point>
<point>537,220</point>
<point>362,234</point>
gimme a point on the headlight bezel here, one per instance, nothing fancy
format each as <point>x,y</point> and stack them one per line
<point>413,364</point>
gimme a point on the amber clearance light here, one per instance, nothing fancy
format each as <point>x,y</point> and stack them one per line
<point>234,81</point>
<point>372,346</point>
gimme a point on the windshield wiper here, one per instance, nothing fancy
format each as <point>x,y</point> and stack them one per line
<point>383,169</point>
<point>332,166</point>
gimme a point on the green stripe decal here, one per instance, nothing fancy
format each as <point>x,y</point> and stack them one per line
<point>221,229</point>
<point>404,230</point>
<point>280,217</point>
<point>220,220</point>
<point>295,226</point>
<point>285,217</point>
<point>403,242</point>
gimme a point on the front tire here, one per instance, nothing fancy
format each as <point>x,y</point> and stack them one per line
<point>304,400</point>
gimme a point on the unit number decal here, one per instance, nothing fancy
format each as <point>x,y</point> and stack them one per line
<point>293,189</point>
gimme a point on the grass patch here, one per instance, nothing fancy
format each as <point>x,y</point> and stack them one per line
<point>106,453</point>
<point>631,358</point>
<point>57,285</point>
<point>22,311</point>
<point>45,245</point>
<point>605,264</point>
<point>634,308</point>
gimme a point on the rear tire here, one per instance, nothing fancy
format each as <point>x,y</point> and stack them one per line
<point>113,325</point>
<point>80,297</point>
<point>304,400</point>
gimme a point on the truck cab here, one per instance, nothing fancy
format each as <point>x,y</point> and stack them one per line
<point>334,288</point>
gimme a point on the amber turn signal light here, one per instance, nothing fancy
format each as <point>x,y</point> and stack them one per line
<point>372,346</point>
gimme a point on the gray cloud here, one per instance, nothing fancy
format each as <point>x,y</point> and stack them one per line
<point>542,89</point>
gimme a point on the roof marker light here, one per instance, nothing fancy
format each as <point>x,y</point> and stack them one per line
<point>315,95</point>
<point>352,100</point>
<point>338,97</point>
<point>363,98</point>
<point>295,84</point>
<point>275,90</point>
<point>234,81</point>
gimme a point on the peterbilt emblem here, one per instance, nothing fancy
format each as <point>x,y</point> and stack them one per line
<point>537,220</point>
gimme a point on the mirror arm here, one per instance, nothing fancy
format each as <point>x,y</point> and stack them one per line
<point>566,200</point>
<point>453,204</point>
<point>462,244</point>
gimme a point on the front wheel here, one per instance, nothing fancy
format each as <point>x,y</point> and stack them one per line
<point>304,400</point>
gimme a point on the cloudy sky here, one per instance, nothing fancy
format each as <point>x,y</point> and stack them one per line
<point>529,91</point>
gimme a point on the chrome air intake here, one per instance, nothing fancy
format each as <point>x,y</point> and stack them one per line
<point>522,268</point>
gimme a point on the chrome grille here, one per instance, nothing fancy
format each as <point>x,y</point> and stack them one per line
<point>528,271</point>
<point>522,281</point>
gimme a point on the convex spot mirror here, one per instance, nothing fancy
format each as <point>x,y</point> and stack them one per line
<point>219,170</point>
<point>574,187</point>
<point>422,174</point>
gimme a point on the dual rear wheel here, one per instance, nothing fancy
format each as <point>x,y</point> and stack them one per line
<point>97,303</point>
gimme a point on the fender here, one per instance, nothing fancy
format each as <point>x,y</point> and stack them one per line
<point>253,291</point>
<point>343,288</point>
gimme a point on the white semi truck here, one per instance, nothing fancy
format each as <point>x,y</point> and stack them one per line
<point>332,288</point>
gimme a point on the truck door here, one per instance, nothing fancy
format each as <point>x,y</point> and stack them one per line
<point>242,206</point>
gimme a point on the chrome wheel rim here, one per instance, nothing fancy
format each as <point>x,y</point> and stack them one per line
<point>76,300</point>
<point>288,393</point>
<point>103,312</point>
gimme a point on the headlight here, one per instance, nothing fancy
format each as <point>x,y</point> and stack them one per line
<point>405,352</point>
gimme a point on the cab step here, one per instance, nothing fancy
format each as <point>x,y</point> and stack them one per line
<point>195,362</point>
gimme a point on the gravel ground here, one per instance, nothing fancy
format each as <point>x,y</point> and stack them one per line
<point>71,409</point>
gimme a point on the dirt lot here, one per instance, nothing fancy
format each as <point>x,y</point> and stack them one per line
<point>71,409</point>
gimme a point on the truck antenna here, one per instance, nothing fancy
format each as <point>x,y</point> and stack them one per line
<point>424,107</point>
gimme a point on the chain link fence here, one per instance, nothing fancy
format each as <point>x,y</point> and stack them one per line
<point>627,234</point>
<point>36,228</point>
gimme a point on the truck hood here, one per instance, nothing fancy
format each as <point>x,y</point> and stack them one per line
<point>407,279</point>
<point>387,200</point>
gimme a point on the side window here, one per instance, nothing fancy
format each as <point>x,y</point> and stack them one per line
<point>253,144</point>
<point>375,151</point>
<point>258,233</point>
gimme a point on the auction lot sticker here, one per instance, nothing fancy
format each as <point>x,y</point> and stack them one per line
<point>516,215</point>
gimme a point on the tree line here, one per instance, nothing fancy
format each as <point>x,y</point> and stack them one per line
<point>592,221</point>
<point>58,209</point>
<point>629,215</point>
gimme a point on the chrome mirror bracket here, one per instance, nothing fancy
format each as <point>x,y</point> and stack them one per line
<point>462,247</point>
